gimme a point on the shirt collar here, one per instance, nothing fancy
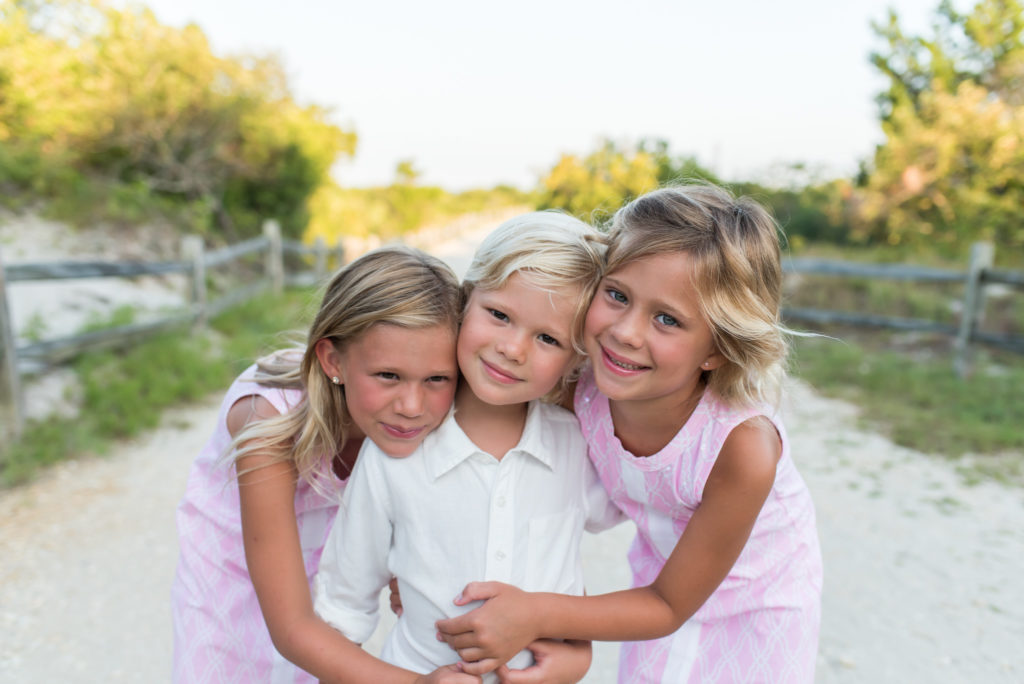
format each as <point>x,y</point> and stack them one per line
<point>448,446</point>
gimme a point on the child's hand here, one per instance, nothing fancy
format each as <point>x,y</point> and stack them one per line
<point>448,674</point>
<point>556,662</point>
<point>490,635</point>
<point>396,598</point>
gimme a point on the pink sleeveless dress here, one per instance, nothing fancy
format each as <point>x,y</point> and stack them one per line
<point>761,623</point>
<point>219,632</point>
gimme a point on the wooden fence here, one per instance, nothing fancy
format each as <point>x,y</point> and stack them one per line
<point>978,276</point>
<point>197,262</point>
<point>16,361</point>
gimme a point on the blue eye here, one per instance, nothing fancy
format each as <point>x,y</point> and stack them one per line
<point>387,375</point>
<point>616,295</point>
<point>665,319</point>
<point>548,339</point>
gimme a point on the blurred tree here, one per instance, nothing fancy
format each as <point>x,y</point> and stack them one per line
<point>114,95</point>
<point>406,172</point>
<point>593,187</point>
<point>674,168</point>
<point>951,169</point>
<point>390,211</point>
<point>39,93</point>
<point>808,208</point>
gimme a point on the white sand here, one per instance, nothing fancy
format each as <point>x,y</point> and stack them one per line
<point>55,308</point>
<point>921,571</point>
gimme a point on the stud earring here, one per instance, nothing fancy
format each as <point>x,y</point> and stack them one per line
<point>336,380</point>
<point>705,364</point>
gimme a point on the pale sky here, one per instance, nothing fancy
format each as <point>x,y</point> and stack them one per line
<point>478,93</point>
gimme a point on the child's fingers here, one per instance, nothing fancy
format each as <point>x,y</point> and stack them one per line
<point>477,591</point>
<point>471,654</point>
<point>463,644</point>
<point>527,676</point>
<point>462,677</point>
<point>395,597</point>
<point>474,591</point>
<point>480,667</point>
<point>456,641</point>
<point>454,627</point>
<point>530,675</point>
<point>452,674</point>
<point>459,641</point>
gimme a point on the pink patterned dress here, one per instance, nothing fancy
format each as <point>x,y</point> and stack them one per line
<point>219,632</point>
<point>761,623</point>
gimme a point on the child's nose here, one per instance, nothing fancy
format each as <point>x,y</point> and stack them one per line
<point>513,348</point>
<point>628,329</point>
<point>410,402</point>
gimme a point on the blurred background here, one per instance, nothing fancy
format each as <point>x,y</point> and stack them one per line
<point>177,177</point>
<point>879,133</point>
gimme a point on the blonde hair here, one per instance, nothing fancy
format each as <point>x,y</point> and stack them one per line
<point>733,244</point>
<point>397,286</point>
<point>552,250</point>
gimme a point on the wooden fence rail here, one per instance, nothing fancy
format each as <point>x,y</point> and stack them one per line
<point>16,361</point>
<point>196,262</point>
<point>978,276</point>
<point>91,269</point>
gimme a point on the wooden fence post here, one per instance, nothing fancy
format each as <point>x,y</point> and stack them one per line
<point>974,305</point>
<point>275,255</point>
<point>320,252</point>
<point>11,409</point>
<point>192,250</point>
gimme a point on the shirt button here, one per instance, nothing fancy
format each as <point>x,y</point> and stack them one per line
<point>501,501</point>
<point>500,555</point>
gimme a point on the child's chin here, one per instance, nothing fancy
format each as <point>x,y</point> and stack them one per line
<point>396,448</point>
<point>612,390</point>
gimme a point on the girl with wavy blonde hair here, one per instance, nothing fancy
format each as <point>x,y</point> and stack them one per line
<point>379,363</point>
<point>679,409</point>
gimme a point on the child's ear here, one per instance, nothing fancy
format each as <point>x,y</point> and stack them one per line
<point>330,360</point>
<point>714,360</point>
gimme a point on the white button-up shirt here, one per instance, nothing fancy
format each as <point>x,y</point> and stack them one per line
<point>450,514</point>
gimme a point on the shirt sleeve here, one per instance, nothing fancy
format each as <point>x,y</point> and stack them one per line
<point>354,565</point>
<point>602,513</point>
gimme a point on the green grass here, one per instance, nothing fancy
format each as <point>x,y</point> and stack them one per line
<point>919,402</point>
<point>904,383</point>
<point>124,392</point>
<point>933,302</point>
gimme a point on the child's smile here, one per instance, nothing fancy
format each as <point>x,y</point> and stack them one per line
<point>620,364</point>
<point>500,375</point>
<point>399,383</point>
<point>645,332</point>
<point>514,345</point>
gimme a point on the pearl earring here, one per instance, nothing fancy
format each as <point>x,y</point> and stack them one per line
<point>336,380</point>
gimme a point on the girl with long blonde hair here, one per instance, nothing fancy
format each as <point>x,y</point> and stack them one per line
<point>379,363</point>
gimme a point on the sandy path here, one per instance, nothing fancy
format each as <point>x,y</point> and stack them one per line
<point>922,572</point>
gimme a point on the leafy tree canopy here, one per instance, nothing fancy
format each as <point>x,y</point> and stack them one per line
<point>594,186</point>
<point>951,169</point>
<point>98,96</point>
